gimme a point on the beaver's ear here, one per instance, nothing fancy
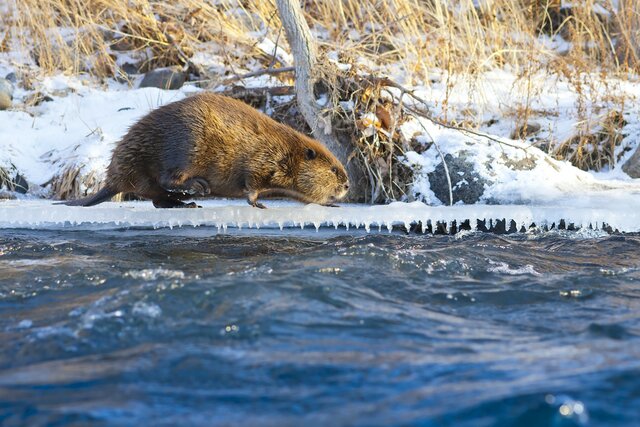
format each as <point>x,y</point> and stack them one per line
<point>310,154</point>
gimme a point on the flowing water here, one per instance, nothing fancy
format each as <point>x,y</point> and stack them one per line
<point>191,327</point>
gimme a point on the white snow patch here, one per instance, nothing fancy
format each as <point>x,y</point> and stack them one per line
<point>80,128</point>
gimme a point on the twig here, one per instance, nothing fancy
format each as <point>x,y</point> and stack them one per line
<point>242,92</point>
<point>385,81</point>
<point>444,163</point>
<point>259,73</point>
<point>190,64</point>
<point>462,129</point>
<point>274,58</point>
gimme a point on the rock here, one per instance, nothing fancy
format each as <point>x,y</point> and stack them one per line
<point>164,78</point>
<point>632,166</point>
<point>466,183</point>
<point>129,68</point>
<point>12,77</point>
<point>17,184</point>
<point>37,98</point>
<point>6,94</point>
<point>20,185</point>
<point>5,101</point>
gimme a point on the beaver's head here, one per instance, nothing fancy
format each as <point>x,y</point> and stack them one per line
<point>320,178</point>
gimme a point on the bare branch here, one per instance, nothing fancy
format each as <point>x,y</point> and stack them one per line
<point>304,53</point>
<point>259,73</point>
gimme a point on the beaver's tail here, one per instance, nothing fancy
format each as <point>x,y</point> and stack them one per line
<point>101,196</point>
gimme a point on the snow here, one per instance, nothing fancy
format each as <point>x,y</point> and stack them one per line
<point>539,180</point>
<point>80,127</point>
<point>610,207</point>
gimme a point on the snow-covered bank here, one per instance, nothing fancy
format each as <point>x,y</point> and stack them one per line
<point>80,124</point>
<point>614,209</point>
<point>78,127</point>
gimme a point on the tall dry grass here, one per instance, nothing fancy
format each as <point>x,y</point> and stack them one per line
<point>421,35</point>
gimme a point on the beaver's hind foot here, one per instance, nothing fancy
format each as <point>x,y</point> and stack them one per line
<point>172,203</point>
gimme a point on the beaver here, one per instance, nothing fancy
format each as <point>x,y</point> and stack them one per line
<point>212,145</point>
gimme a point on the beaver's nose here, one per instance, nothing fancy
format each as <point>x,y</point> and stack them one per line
<point>346,186</point>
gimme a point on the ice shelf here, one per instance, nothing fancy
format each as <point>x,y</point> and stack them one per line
<point>616,212</point>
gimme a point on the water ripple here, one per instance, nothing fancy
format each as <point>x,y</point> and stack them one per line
<point>372,329</point>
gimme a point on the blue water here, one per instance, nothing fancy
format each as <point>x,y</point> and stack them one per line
<point>187,327</point>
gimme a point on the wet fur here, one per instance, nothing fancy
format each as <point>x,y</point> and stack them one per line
<point>213,145</point>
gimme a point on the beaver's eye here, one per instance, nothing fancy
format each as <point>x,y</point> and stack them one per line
<point>310,154</point>
<point>334,170</point>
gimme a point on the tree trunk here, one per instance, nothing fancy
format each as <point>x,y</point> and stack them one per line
<point>304,53</point>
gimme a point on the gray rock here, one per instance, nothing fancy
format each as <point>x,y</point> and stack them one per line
<point>632,166</point>
<point>17,184</point>
<point>164,78</point>
<point>12,77</point>
<point>6,94</point>
<point>129,68</point>
<point>20,185</point>
<point>466,183</point>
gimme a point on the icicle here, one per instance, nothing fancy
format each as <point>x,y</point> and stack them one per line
<point>317,225</point>
<point>407,226</point>
<point>281,225</point>
<point>389,226</point>
<point>367,226</point>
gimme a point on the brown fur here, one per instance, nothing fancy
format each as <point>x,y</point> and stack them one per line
<point>213,145</point>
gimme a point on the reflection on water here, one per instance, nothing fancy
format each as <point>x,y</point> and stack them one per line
<point>190,327</point>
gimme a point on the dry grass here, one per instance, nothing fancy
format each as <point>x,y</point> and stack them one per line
<point>77,36</point>
<point>594,147</point>
<point>418,36</point>
<point>72,184</point>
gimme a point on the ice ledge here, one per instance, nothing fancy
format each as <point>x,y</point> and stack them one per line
<point>621,212</point>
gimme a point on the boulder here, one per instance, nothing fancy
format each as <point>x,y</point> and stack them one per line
<point>632,166</point>
<point>467,185</point>
<point>6,94</point>
<point>164,78</point>
<point>18,184</point>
